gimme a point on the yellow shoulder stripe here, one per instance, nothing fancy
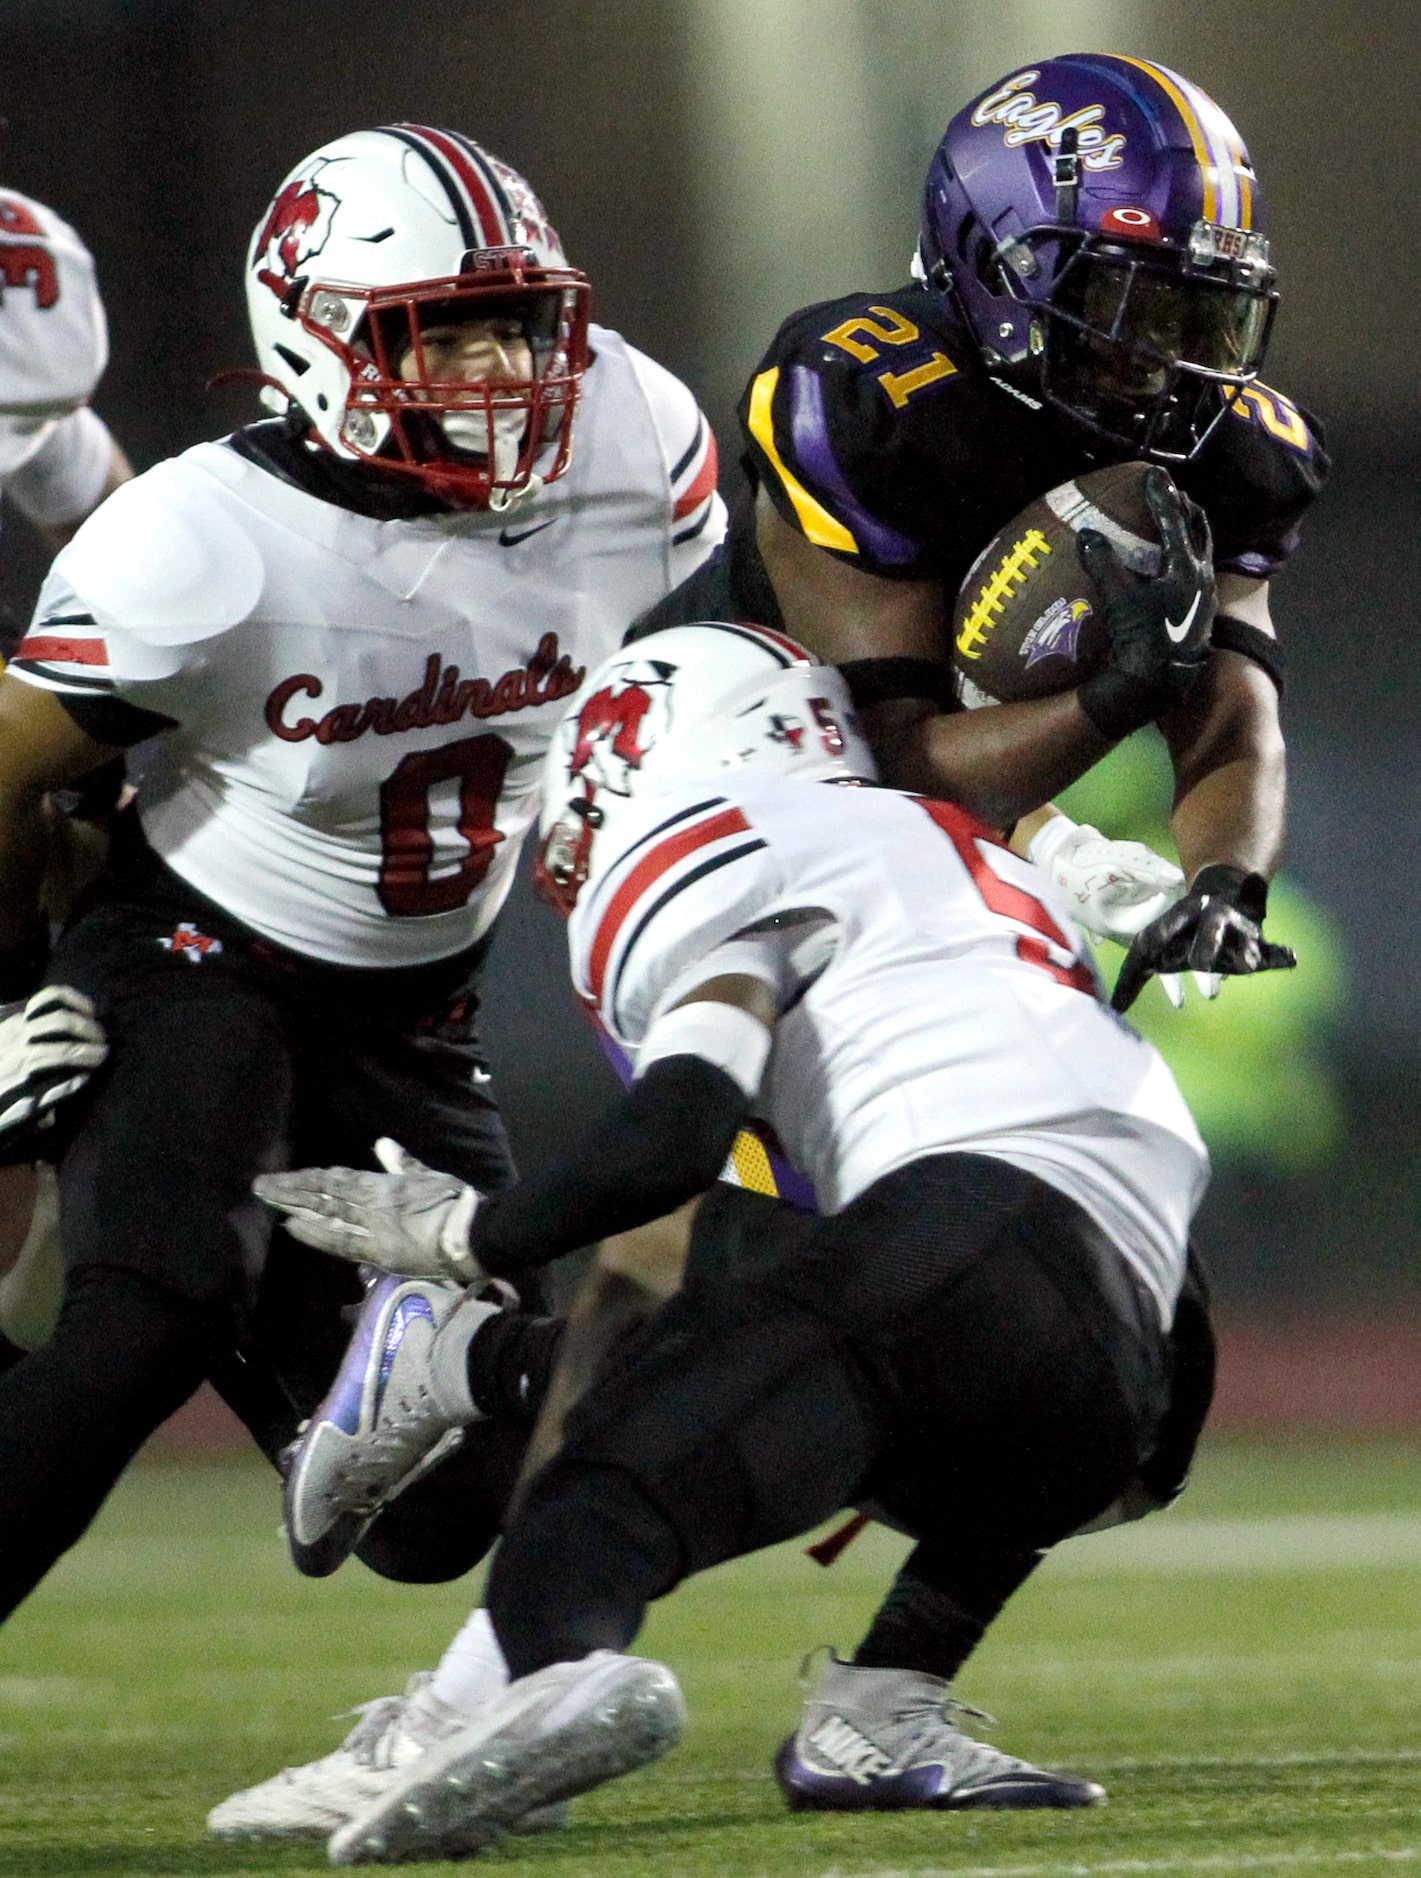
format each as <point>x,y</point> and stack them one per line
<point>818,524</point>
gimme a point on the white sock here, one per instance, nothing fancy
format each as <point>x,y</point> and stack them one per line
<point>472,1669</point>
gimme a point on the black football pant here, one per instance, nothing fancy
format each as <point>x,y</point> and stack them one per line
<point>228,1058</point>
<point>961,1347</point>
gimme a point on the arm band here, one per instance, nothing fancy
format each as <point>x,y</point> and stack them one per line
<point>1236,635</point>
<point>720,1034</point>
<point>664,1144</point>
<point>879,681</point>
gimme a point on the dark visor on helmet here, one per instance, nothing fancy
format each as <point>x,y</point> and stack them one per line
<point>1145,352</point>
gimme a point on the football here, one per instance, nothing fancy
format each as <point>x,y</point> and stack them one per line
<point>1025,623</point>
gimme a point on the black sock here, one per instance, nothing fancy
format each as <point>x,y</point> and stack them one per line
<point>939,1608</point>
<point>511,1359</point>
<point>10,1354</point>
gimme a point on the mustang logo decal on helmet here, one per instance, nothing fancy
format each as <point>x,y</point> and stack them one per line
<point>612,732</point>
<point>296,230</point>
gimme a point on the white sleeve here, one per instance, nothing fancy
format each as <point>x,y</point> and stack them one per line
<point>688,450</point>
<point>786,953</point>
<point>53,335</point>
<point>662,905</point>
<point>65,477</point>
<point>160,568</point>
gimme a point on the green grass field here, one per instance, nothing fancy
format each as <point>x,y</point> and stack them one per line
<point>1244,1675</point>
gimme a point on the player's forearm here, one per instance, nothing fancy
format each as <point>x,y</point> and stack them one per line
<point>1231,774</point>
<point>42,749</point>
<point>1000,762</point>
<point>662,1146</point>
<point>1234,816</point>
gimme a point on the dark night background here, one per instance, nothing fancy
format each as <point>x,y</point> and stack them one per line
<point>714,165</point>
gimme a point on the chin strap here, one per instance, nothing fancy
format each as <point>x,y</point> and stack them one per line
<point>505,501</point>
<point>469,431</point>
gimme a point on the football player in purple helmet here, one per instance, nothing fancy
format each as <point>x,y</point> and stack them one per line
<point>1092,283</point>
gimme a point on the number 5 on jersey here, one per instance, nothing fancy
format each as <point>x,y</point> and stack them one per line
<point>1012,903</point>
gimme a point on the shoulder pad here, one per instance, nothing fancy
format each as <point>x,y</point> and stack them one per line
<point>166,558</point>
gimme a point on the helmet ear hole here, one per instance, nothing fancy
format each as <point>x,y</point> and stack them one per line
<point>985,263</point>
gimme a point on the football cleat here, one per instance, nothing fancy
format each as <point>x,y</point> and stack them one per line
<point>888,1740</point>
<point>379,1429</point>
<point>554,1734</point>
<point>313,1801</point>
<point>310,1802</point>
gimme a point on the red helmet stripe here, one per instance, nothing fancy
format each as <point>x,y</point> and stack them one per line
<point>800,654</point>
<point>494,227</point>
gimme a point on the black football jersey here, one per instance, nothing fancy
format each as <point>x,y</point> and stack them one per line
<point>880,436</point>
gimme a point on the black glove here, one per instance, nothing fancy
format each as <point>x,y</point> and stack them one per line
<point>1216,927</point>
<point>1158,628</point>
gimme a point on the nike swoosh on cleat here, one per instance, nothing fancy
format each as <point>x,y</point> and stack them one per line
<point>1176,633</point>
<point>507,539</point>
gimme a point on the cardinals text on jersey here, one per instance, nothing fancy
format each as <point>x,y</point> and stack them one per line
<point>357,708</point>
<point>955,1010</point>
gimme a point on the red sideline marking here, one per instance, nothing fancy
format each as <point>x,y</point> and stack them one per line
<point>64,651</point>
<point>651,867</point>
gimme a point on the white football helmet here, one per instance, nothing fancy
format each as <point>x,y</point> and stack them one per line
<point>680,705</point>
<point>54,341</point>
<point>377,237</point>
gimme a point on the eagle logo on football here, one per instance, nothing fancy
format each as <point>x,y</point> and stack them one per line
<point>1057,632</point>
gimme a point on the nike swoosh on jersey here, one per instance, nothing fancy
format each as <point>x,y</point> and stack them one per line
<point>507,539</point>
<point>1176,633</point>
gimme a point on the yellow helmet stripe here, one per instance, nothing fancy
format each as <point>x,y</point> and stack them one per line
<point>819,526</point>
<point>1216,147</point>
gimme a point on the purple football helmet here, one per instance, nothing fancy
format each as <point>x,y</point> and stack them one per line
<point>1097,218</point>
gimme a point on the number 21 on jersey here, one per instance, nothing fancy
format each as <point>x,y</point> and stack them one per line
<point>881,326</point>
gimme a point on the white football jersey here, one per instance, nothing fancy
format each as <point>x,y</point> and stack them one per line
<point>360,707</point>
<point>53,336</point>
<point>943,1000</point>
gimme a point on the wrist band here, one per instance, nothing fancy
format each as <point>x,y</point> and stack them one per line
<point>1118,703</point>
<point>1049,839</point>
<point>1251,642</point>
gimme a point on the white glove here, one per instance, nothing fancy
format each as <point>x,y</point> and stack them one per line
<point>49,1047</point>
<point>1115,888</point>
<point>409,1220</point>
